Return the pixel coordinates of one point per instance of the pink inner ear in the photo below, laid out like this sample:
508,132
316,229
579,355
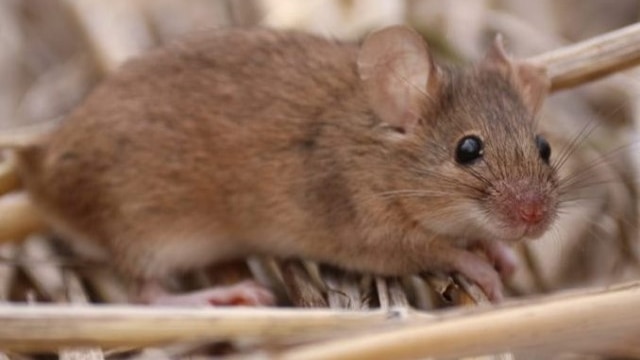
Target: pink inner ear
395,68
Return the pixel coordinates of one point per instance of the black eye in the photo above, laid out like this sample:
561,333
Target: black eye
469,149
543,148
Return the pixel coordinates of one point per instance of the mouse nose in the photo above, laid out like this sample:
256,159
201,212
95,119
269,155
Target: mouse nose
524,203
531,211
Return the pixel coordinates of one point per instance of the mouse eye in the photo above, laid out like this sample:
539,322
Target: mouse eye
543,148
469,149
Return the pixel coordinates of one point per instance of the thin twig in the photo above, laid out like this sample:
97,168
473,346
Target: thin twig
300,286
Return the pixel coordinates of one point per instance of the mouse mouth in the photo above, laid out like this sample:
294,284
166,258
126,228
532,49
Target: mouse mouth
514,232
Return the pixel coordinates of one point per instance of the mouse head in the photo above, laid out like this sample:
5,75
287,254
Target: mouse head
464,139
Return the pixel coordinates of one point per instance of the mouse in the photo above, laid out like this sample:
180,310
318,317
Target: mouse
369,156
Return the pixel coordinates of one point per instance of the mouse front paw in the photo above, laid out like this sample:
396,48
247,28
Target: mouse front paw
501,255
481,272
474,267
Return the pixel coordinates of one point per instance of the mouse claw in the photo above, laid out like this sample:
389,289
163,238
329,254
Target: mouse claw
489,281
478,270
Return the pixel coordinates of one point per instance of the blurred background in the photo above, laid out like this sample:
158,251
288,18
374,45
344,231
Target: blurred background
52,53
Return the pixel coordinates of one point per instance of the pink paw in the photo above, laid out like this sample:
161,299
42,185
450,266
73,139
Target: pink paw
488,280
502,255
246,293
479,270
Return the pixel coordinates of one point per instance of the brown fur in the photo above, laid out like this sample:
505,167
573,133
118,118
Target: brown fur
237,142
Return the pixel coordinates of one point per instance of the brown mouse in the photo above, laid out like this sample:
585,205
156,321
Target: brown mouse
370,157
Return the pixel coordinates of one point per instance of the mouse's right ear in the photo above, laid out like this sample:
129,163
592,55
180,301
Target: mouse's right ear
398,75
531,81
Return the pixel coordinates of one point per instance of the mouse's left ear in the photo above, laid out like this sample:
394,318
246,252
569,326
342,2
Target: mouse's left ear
398,75
531,81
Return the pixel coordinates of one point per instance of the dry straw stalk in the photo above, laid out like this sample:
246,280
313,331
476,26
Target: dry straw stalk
592,59
50,327
573,323
569,323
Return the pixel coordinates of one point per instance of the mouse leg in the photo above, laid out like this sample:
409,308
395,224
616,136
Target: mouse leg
247,293
473,266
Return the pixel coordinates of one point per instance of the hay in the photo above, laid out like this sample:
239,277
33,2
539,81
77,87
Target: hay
55,51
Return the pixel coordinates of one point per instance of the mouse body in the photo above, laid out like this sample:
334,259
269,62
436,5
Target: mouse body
371,157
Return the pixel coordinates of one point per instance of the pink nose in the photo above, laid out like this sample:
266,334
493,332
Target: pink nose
531,212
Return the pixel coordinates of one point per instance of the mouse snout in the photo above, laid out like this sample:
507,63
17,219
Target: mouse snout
530,211
523,206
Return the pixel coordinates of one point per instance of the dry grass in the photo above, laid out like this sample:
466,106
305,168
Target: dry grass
55,51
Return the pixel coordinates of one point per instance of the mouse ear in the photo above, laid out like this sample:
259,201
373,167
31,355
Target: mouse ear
398,75
497,55
531,81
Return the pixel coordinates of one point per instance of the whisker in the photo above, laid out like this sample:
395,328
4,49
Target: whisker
566,152
576,177
455,183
